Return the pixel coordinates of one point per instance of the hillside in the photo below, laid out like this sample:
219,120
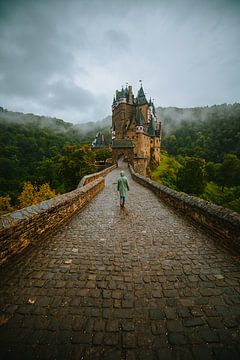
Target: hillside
32,145
81,132
207,132
209,139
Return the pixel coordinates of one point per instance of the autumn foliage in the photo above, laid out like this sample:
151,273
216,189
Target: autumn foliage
5,204
32,195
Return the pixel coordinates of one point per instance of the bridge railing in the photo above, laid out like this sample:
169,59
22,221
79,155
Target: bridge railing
89,178
217,220
26,226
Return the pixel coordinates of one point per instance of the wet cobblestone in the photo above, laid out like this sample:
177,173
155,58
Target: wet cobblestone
135,283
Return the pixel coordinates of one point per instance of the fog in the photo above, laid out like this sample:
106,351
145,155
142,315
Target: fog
65,59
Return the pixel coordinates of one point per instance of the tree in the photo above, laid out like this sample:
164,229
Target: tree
44,193
5,204
230,170
28,195
103,154
46,172
226,173
210,169
31,195
191,176
76,162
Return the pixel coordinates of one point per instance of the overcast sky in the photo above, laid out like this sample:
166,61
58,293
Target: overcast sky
66,58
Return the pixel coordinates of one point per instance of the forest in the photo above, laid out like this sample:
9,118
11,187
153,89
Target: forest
201,153
208,132
41,157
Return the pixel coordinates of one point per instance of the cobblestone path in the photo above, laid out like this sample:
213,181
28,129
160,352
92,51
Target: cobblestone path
134,283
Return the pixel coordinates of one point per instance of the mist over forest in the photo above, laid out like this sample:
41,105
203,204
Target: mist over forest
222,119
33,146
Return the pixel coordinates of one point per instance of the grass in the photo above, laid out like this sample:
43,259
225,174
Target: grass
166,172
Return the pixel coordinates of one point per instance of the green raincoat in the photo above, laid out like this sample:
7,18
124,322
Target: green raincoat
122,185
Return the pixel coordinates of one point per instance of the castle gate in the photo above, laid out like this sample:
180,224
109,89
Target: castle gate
122,147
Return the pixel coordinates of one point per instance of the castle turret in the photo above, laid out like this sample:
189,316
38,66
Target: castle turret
139,119
141,98
114,103
122,96
151,127
130,95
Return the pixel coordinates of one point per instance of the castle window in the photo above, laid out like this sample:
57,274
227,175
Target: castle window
139,129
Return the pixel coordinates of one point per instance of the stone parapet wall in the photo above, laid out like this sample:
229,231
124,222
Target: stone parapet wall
89,178
21,228
216,219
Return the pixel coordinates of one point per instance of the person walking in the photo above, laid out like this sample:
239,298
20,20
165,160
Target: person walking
122,187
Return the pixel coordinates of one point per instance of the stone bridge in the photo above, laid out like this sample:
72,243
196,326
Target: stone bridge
141,282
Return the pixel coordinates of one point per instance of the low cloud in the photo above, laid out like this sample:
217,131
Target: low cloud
66,59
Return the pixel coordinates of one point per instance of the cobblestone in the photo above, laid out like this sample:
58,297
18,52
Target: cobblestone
135,283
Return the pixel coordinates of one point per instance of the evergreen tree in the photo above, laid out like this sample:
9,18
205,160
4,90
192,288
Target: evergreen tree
191,176
230,170
76,162
103,154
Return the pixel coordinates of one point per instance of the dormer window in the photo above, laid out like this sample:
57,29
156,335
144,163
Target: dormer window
139,129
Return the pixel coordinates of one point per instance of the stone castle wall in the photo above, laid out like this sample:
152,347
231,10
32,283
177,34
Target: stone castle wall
216,219
142,145
121,115
140,165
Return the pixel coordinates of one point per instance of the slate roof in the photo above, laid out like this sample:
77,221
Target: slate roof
139,118
151,128
141,98
152,104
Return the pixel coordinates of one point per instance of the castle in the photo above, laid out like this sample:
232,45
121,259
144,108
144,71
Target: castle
136,132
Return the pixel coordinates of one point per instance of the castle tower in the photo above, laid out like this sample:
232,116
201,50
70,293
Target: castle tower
135,129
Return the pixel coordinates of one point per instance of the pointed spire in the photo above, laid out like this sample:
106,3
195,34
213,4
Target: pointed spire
126,91
114,102
152,105
141,98
139,118
151,127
